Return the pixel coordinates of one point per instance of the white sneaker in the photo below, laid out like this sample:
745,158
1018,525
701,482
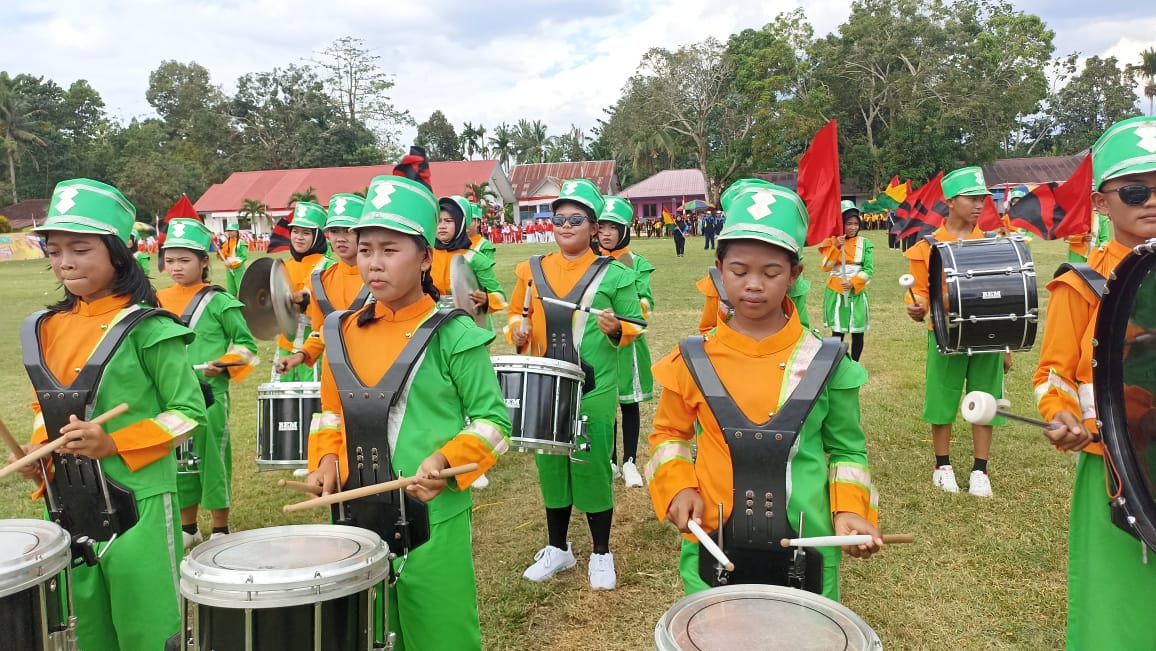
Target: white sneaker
217,534
630,475
979,484
481,482
615,473
601,572
549,561
192,539
944,477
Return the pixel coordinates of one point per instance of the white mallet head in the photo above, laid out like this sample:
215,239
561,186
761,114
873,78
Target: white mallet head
979,408
907,281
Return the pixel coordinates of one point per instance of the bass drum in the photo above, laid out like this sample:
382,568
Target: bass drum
1124,381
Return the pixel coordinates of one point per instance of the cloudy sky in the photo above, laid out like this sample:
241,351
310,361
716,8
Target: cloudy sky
482,61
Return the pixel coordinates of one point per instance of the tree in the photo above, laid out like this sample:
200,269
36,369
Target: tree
479,192
530,141
254,210
308,194
469,140
1147,69
355,80
438,138
502,144
16,129
195,114
1089,103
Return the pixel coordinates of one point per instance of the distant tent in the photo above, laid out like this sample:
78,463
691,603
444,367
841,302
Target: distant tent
20,246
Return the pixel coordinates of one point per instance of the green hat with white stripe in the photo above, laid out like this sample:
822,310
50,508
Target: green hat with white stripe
234,225
617,210
87,206
187,234
400,204
468,209
344,211
582,192
846,205
768,213
740,185
1127,147
966,181
307,214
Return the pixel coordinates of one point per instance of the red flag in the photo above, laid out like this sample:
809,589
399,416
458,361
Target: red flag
990,219
923,211
279,239
894,183
1056,210
182,209
819,184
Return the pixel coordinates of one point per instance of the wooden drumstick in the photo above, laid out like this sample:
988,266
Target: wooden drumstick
846,541
525,324
593,310
300,486
376,489
710,546
51,446
10,440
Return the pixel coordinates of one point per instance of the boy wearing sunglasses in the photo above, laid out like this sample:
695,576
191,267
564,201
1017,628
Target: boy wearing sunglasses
576,274
1107,568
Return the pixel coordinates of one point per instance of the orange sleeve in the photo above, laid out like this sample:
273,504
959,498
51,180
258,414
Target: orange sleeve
918,258
830,254
517,301
327,431
671,466
142,443
710,308
1056,378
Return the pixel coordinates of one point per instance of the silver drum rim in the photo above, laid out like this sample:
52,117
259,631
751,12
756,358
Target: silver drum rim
23,569
539,365
271,390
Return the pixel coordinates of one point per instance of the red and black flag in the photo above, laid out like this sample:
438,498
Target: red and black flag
1056,210
279,238
182,209
922,212
415,166
990,220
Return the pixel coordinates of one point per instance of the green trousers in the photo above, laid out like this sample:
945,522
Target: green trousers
211,486
586,486
233,279
434,604
1110,587
128,601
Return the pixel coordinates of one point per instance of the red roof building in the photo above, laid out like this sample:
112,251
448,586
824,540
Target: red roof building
273,188
667,189
537,185
29,212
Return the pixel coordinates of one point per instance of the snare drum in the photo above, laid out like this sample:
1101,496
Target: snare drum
34,601
284,412
983,296
761,618
544,398
292,588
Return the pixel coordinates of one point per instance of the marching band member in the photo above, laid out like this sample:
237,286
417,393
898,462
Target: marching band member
454,221
1108,569
433,604
128,599
635,382
849,261
579,276
335,285
222,337
307,249
1080,247
965,190
822,474
234,251
478,242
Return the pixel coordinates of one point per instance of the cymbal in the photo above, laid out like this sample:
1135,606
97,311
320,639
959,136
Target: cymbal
463,282
268,300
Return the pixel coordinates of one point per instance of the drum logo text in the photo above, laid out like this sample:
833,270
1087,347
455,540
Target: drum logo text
286,426
513,403
989,295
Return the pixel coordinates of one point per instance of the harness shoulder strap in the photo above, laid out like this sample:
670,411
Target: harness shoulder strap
319,294
575,294
1090,276
725,411
716,279
197,305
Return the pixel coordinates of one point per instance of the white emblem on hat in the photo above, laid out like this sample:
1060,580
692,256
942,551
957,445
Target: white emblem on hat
761,204
979,177
569,187
339,205
1147,133
381,194
178,229
66,199
302,209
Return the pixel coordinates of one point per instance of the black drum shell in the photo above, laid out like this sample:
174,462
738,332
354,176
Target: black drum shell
284,413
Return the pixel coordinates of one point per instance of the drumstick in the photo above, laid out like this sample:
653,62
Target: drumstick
10,440
300,486
526,313
593,310
907,281
376,489
201,367
846,541
710,546
51,446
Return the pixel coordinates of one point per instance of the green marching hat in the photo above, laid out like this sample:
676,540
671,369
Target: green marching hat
87,206
966,181
400,204
847,205
765,212
1127,147
233,226
467,209
187,234
740,185
307,214
582,192
617,210
344,211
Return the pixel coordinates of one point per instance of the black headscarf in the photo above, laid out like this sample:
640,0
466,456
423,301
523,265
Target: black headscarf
461,239
623,235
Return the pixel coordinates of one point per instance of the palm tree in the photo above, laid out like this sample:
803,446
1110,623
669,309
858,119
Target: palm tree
530,141
308,194
253,209
469,140
502,144
16,122
483,150
478,192
1148,69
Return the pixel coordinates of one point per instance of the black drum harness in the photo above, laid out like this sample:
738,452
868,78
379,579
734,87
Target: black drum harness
759,456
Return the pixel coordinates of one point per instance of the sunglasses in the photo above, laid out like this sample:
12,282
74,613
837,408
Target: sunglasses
1133,195
573,220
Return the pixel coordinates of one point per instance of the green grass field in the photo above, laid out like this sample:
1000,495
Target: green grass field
984,574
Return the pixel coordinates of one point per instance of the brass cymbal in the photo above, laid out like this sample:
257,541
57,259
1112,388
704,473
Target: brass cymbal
269,309
463,281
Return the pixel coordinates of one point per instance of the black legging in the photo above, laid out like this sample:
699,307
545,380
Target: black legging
631,424
856,343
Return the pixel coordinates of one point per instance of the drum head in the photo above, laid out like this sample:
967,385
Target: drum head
30,552
283,566
463,281
1124,381
761,618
